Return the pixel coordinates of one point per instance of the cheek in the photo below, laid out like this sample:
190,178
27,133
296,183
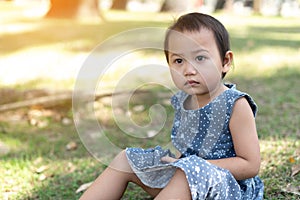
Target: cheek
210,75
177,77
210,70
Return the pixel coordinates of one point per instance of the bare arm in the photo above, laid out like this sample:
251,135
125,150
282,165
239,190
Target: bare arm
246,164
242,126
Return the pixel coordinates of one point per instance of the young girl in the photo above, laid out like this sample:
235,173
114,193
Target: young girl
214,127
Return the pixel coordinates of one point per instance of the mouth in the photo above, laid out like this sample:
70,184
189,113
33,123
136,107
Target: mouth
192,82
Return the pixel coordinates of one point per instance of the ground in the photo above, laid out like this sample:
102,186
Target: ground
41,153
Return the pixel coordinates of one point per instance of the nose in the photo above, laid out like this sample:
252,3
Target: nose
189,69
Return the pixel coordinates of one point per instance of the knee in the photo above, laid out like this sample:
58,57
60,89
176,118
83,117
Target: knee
120,163
177,188
180,178
120,157
180,173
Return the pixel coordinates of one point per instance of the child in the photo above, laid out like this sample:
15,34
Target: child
214,127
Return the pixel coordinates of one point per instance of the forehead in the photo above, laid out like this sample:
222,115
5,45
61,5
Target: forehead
191,41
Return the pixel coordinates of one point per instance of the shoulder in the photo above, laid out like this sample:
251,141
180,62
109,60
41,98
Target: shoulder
240,99
242,105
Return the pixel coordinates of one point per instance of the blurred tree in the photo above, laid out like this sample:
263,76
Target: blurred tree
256,6
174,6
74,9
119,4
228,4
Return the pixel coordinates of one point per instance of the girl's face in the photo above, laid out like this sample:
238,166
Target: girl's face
195,63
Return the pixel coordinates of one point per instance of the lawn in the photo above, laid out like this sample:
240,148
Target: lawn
41,153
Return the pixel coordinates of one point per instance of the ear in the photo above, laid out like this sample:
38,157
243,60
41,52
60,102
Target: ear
228,59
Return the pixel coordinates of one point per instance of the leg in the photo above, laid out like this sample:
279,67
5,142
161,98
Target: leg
177,188
112,183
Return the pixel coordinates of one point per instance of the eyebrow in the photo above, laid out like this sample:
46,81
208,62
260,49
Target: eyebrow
175,54
194,52
200,50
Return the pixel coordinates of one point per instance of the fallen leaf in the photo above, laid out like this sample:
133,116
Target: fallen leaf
83,187
292,189
66,121
4,149
41,169
42,177
42,124
71,168
139,108
292,160
71,146
32,122
151,133
295,170
38,160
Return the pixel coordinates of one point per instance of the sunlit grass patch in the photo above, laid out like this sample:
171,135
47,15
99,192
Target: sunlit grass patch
44,178
15,177
38,165
278,159
265,62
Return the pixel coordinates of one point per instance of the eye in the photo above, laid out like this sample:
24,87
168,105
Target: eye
200,58
178,60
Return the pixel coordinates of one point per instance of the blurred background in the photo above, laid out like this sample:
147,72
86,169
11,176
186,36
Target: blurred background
45,43
30,35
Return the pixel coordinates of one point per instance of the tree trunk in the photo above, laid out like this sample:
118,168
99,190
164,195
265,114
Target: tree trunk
119,5
74,9
228,5
174,6
256,6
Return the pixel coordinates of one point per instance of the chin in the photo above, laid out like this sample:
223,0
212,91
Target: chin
193,92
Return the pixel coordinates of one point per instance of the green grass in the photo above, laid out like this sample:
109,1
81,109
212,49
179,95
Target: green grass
38,166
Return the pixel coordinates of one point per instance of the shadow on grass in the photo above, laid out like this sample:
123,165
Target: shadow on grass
70,35
88,35
270,36
277,96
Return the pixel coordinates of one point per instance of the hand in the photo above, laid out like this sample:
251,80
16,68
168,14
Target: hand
168,159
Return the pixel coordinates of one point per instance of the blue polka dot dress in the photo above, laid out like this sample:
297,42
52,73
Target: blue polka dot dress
199,135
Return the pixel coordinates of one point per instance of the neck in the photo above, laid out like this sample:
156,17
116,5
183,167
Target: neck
204,99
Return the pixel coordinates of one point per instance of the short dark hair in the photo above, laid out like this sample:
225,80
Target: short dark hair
196,21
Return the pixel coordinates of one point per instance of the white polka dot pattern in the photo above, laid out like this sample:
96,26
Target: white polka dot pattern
199,135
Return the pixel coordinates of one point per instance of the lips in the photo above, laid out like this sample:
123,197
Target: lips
192,82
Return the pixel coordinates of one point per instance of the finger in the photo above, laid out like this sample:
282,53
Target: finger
168,159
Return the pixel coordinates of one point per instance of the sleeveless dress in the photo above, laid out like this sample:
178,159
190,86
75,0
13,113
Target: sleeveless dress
199,135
